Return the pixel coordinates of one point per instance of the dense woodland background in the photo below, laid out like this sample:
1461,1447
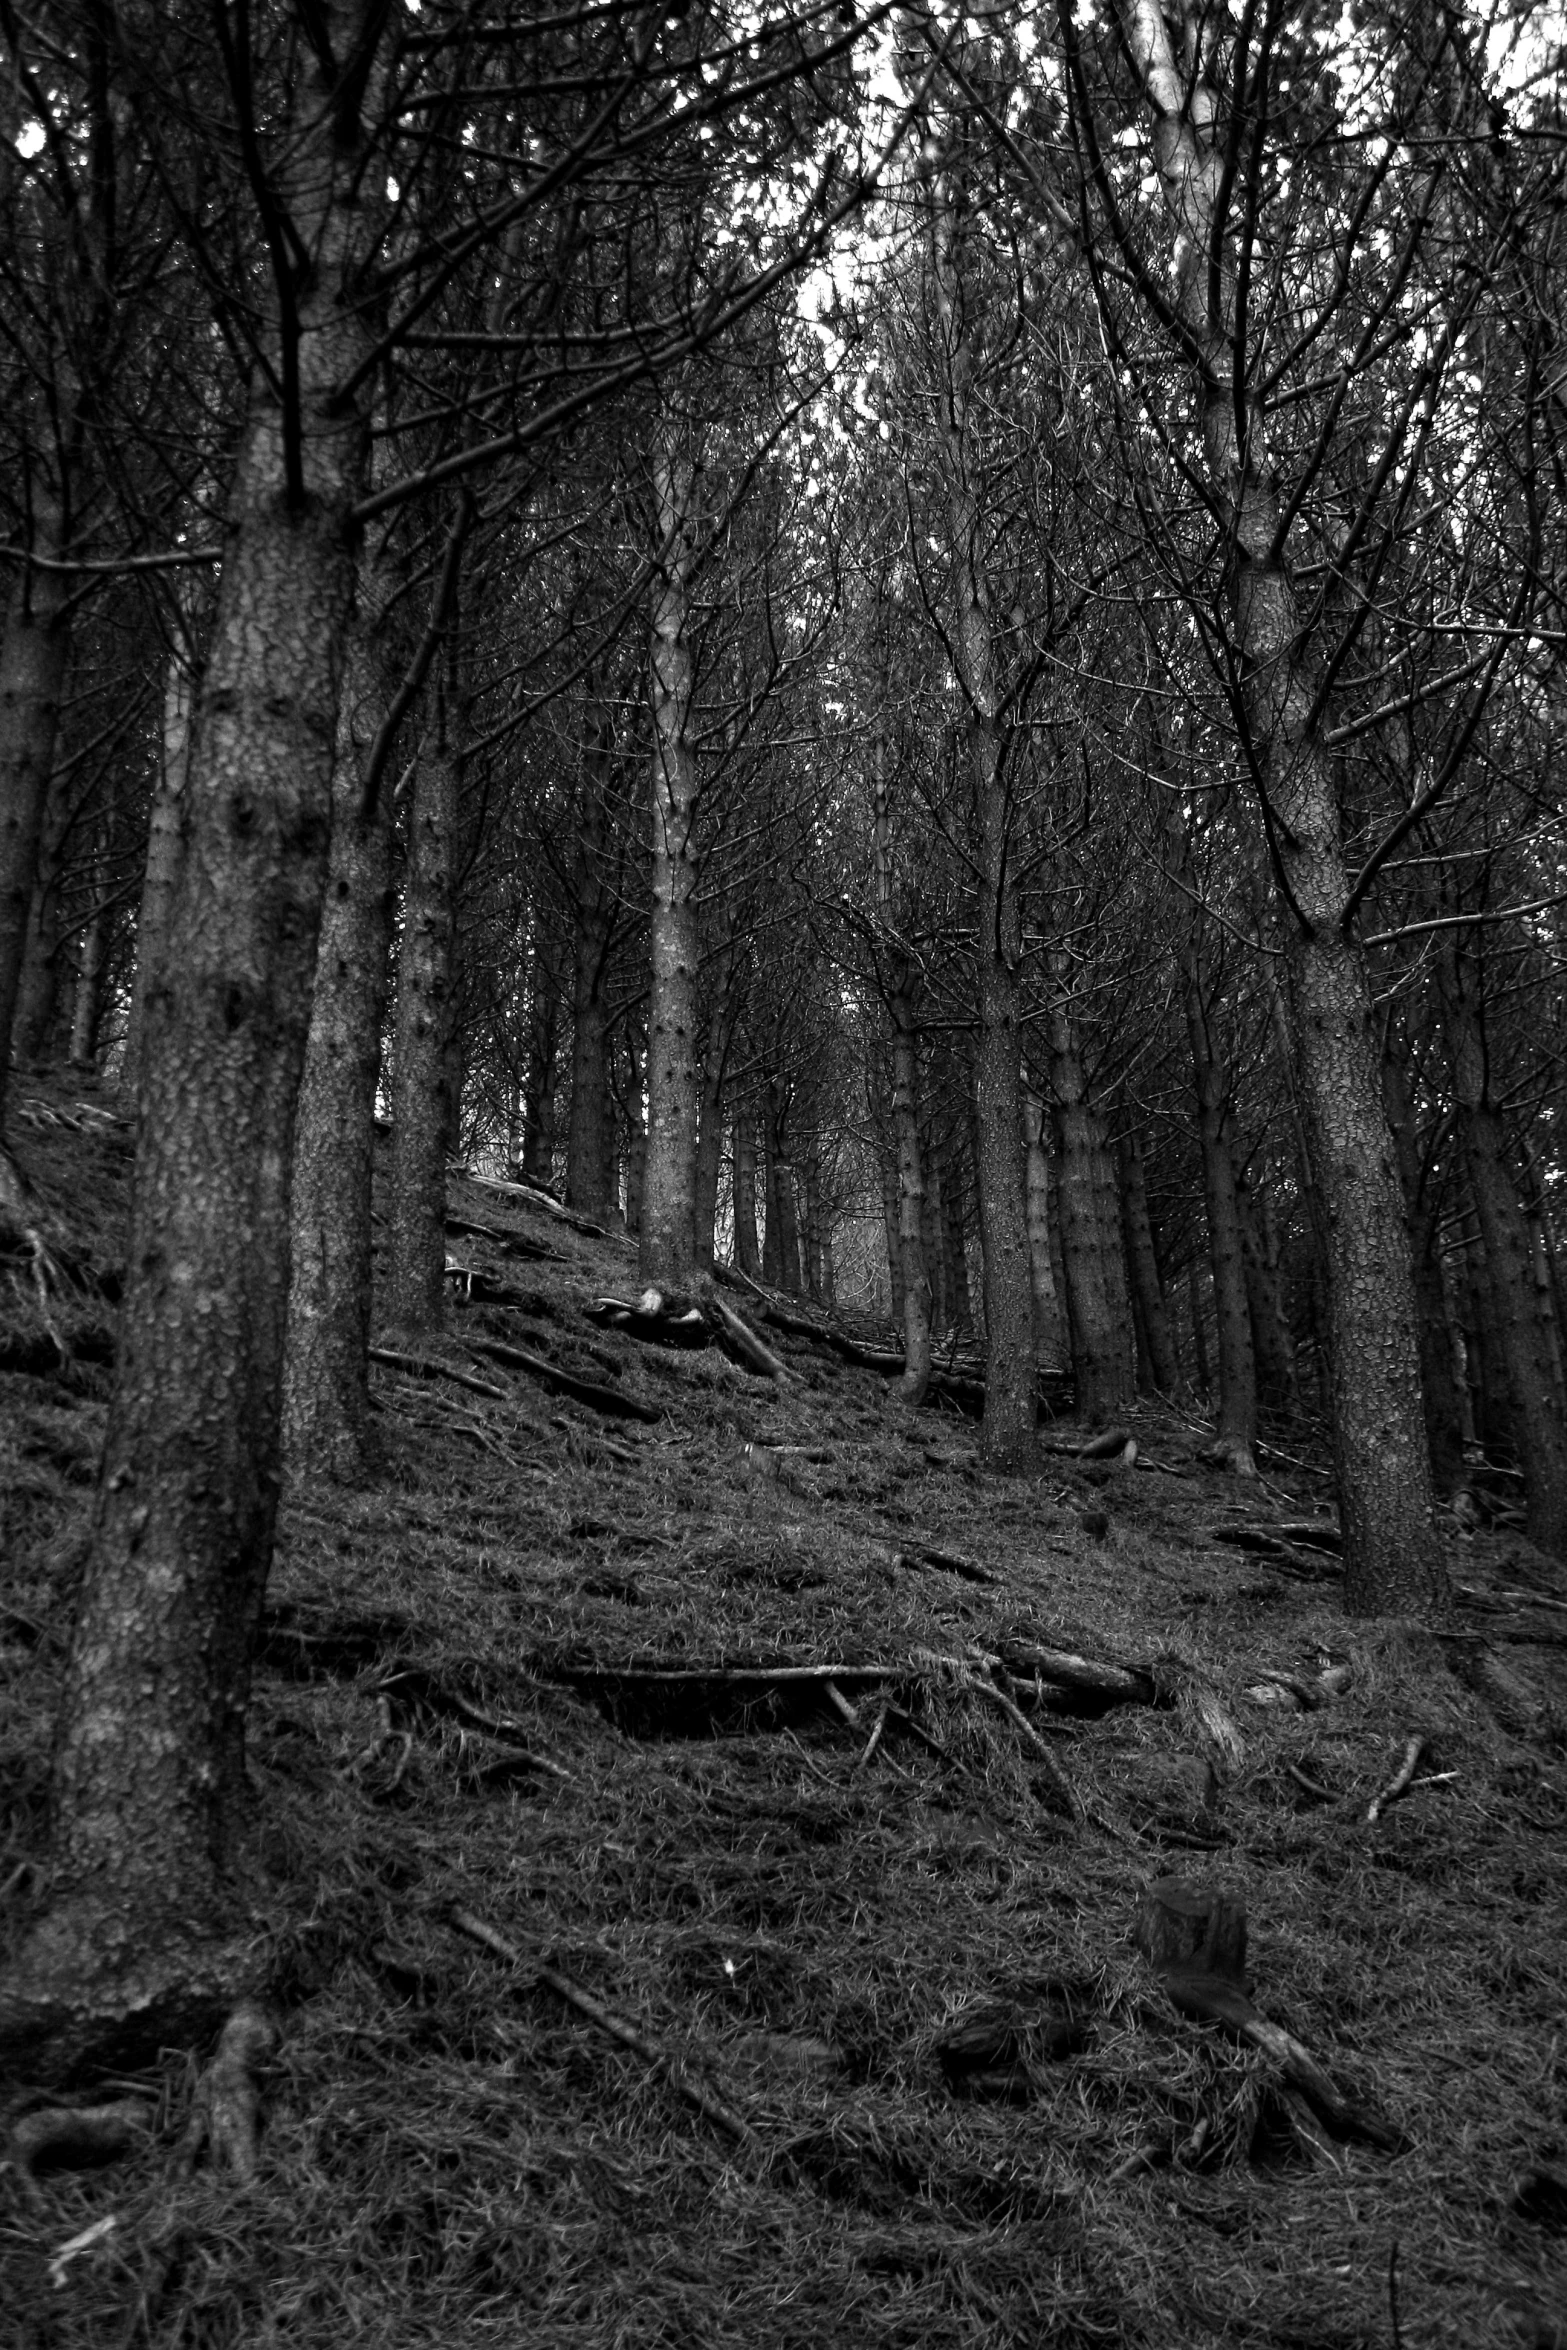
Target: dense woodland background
922,650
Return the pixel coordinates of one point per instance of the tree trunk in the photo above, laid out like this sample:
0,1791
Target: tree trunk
1270,1336
1143,1265
423,1111
667,1255
636,1129
1438,1385
954,1239
1099,1348
814,1238
1392,1561
1528,1368
33,655
772,1245
748,1254
326,1391
788,1217
1011,1410
917,1320
92,961
1052,1339
538,1146
709,1158
1237,1413
34,1034
1200,1361
588,1124
149,1777
931,1236
160,880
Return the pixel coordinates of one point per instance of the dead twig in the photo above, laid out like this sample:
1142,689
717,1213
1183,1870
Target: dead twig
1025,1729
607,2020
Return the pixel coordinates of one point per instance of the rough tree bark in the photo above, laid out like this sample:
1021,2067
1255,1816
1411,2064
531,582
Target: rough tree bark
1438,1384
424,1111
587,1124
33,654
1052,1339
900,984
1392,1560
538,1093
160,877
149,1782
326,1388
1143,1265
748,1251
1527,1363
1100,1353
1237,1413
1011,1410
667,1251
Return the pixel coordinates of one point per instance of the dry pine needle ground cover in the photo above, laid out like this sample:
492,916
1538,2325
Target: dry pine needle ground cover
639,1986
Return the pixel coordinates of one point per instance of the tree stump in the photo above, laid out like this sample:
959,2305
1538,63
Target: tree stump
1191,1926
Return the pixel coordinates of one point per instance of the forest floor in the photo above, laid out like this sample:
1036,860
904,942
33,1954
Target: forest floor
806,1778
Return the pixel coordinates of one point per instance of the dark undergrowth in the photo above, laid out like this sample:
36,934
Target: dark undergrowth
899,2076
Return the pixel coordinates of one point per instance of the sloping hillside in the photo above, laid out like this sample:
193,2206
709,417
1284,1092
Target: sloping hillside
702,1827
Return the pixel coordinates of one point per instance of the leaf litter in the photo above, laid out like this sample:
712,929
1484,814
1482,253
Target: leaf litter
803,2003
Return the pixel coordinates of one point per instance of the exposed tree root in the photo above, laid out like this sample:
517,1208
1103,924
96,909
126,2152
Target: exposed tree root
76,2137
225,2115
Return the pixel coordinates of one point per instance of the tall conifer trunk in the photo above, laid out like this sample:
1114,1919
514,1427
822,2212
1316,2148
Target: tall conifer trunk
1007,1432
149,1781
667,1252
326,1393
1392,1561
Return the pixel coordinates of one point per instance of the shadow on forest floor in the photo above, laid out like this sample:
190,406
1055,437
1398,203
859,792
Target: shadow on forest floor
828,1768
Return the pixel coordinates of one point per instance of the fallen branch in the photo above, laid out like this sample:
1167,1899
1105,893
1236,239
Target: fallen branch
427,1367
1032,1740
744,1340
1399,1782
535,1198
608,2021
950,1562
589,1391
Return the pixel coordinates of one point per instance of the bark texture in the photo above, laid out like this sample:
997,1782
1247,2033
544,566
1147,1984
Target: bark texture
160,876
423,1108
1052,1338
1237,1413
1100,1353
1438,1381
1143,1267
326,1393
667,1252
1011,1411
1527,1359
1392,1562
748,1252
149,1756
33,654
912,1304
587,1126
